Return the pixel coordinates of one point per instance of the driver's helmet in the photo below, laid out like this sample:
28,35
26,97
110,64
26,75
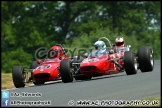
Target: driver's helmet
100,45
56,52
119,42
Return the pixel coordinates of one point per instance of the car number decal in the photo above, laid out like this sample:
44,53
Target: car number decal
44,67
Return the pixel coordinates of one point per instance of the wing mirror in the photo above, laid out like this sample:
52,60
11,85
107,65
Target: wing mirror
39,61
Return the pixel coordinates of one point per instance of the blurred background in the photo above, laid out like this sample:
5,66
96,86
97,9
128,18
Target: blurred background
29,25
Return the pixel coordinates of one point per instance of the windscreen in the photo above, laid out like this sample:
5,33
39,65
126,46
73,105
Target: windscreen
97,53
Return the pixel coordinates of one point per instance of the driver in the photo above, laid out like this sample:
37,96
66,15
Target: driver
120,44
56,52
100,45
100,48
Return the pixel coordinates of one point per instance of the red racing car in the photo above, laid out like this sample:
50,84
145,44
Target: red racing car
110,62
39,72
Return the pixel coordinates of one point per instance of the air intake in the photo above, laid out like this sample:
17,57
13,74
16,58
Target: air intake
88,68
41,75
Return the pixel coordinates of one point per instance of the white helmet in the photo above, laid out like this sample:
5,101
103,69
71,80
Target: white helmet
100,45
119,41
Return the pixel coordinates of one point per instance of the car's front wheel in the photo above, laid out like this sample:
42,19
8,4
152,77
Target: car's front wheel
66,74
18,76
130,63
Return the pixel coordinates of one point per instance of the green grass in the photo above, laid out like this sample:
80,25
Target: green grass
7,82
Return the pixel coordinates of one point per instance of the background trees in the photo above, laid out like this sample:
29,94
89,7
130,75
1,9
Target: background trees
27,26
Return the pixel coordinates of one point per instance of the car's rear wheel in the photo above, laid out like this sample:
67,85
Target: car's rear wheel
34,65
78,59
130,63
145,58
18,76
66,74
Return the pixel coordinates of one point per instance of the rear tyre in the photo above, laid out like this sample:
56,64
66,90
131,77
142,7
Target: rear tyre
34,65
130,63
78,59
18,76
66,74
145,58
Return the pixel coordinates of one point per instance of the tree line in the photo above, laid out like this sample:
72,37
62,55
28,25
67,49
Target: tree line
29,25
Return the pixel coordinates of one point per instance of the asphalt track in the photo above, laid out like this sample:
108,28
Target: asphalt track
110,87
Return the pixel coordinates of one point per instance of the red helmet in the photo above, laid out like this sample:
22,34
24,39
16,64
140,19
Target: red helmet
119,41
56,52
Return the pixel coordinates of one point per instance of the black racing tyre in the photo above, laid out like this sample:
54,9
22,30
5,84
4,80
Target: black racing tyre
34,64
130,63
18,76
66,74
145,58
78,59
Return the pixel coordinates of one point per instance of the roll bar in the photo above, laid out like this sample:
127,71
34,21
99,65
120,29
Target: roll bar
107,40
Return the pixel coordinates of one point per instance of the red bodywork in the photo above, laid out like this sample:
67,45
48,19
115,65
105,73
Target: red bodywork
97,66
48,70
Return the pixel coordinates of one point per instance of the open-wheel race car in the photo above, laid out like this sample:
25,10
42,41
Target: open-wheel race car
40,71
110,62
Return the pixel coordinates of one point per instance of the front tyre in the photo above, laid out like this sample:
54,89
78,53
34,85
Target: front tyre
130,63
66,74
18,76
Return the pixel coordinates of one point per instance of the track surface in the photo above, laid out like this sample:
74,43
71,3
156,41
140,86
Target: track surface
110,87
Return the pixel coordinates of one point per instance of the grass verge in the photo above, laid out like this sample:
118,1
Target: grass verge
7,82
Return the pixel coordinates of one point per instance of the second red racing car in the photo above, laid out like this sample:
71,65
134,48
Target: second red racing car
40,71
111,62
